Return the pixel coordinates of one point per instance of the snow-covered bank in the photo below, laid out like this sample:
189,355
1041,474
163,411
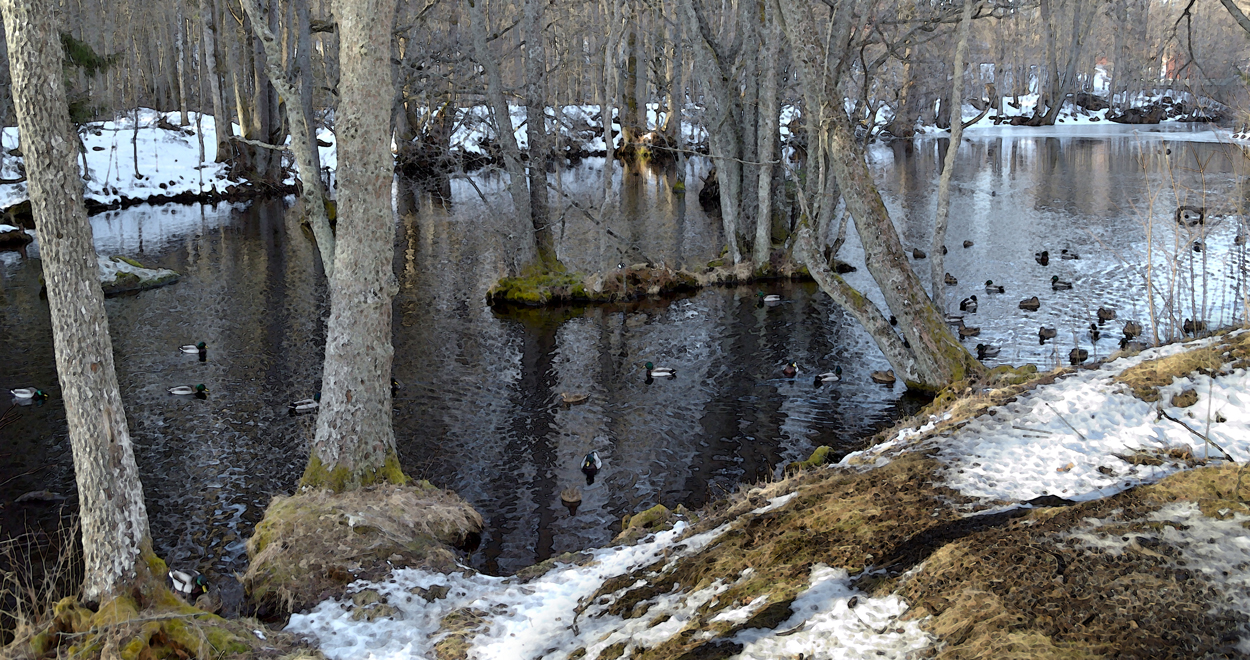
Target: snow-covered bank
817,573
121,275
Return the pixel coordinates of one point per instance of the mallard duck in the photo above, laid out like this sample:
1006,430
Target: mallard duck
570,399
968,244
1193,327
1066,254
917,253
944,250
968,331
968,304
893,320
883,377
1045,333
791,370
571,497
590,466
305,406
767,299
1132,329
1127,344
987,351
1043,257
396,386
990,287
193,348
950,280
1058,284
659,372
1094,333
954,318
1105,314
1030,304
187,583
1197,246
1078,355
182,390
829,377
29,393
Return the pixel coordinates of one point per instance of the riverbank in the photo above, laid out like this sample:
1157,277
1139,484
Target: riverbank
1057,517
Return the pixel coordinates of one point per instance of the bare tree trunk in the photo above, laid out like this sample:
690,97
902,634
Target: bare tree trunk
115,535
210,72
355,443
536,129
767,136
937,274
180,47
499,109
303,141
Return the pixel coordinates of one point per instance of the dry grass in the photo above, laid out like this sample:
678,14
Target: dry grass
1146,378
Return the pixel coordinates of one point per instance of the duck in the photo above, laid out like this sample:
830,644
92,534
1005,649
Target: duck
954,318
1043,257
1239,239
768,299
968,244
182,390
893,320
1065,254
1132,329
1127,344
659,372
968,304
1058,284
590,466
791,370
1078,355
305,406
883,377
950,280
30,393
1105,314
990,287
987,351
917,253
396,386
944,250
968,331
1193,327
572,399
1045,333
1197,246
829,377
193,348
1031,304
188,583
571,497
1094,333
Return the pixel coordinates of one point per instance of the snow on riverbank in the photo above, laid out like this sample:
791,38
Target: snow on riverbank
1051,441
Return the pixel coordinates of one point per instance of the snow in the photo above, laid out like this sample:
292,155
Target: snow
111,267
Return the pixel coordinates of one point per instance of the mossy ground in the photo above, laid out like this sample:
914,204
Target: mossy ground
1146,378
311,545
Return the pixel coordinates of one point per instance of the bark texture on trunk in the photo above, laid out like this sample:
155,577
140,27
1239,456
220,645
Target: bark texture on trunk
221,117
937,273
114,519
767,137
536,131
303,142
355,443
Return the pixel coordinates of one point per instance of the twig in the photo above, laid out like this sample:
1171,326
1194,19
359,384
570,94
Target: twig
1052,408
1191,430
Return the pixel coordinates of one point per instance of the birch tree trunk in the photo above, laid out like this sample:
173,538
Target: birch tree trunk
303,142
503,119
180,47
536,130
115,534
355,443
937,274
221,116
767,137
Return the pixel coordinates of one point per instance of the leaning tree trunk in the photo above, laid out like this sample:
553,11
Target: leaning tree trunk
937,273
303,141
114,521
355,444
937,359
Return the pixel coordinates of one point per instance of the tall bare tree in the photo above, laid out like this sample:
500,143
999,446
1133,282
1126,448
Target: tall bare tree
115,534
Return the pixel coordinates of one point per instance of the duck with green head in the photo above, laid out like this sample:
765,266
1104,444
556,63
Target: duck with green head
990,287
654,372
29,394
193,348
829,376
1058,284
305,406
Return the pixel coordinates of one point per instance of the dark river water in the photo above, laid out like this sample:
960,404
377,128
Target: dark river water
480,411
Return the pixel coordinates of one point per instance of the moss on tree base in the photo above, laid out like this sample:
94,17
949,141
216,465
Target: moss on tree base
313,544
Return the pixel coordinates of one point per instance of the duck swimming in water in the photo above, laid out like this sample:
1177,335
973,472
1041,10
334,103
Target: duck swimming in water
193,348
659,372
1030,304
1105,314
791,370
183,390
829,377
950,280
1065,254
1078,355
29,393
990,287
1042,258
1058,284
968,304
590,466
1094,333
1046,333
305,406
883,377
987,351
187,583
769,299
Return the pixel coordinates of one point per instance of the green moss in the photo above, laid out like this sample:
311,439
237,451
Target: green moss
679,187
128,260
818,458
341,478
649,519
